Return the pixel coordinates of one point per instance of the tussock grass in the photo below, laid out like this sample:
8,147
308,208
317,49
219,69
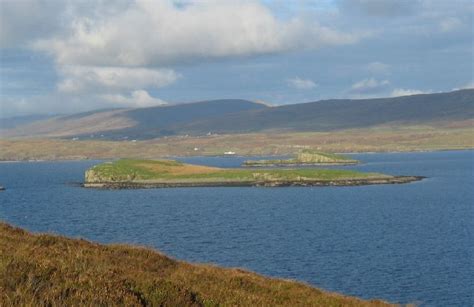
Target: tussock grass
47,270
378,139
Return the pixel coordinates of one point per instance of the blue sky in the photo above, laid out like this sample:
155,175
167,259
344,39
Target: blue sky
70,56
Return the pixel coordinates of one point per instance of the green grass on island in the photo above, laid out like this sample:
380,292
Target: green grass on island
47,270
306,157
129,170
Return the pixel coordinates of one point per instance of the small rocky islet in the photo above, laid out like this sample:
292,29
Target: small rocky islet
135,174
306,157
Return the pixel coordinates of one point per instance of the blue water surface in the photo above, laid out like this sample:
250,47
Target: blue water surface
410,243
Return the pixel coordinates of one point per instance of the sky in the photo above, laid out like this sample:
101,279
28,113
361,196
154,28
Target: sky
66,56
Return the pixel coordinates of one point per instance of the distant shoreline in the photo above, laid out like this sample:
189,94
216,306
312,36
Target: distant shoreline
233,156
408,139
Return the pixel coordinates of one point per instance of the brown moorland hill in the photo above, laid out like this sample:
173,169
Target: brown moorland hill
236,116
48,270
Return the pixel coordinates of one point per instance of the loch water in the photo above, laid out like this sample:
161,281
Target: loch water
409,243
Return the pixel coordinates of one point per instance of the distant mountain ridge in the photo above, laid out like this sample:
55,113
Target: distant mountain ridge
336,114
16,121
243,116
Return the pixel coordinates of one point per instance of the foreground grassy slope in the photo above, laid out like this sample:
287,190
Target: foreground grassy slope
168,170
51,270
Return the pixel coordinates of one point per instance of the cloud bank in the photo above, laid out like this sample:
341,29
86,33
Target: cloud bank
95,54
369,87
159,33
118,51
97,79
302,84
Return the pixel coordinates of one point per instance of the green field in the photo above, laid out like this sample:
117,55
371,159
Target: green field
128,170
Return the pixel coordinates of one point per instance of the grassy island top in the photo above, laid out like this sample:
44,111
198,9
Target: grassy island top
306,156
128,170
46,270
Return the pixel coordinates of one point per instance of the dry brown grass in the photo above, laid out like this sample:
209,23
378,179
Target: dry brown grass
184,169
379,139
46,270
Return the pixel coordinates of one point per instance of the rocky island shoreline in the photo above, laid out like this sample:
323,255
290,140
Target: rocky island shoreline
307,183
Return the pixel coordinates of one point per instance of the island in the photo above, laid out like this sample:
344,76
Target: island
49,270
307,157
131,173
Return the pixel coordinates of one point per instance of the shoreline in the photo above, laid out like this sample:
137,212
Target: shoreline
234,156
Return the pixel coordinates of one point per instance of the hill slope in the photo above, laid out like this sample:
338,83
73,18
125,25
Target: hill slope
12,122
241,116
140,123
168,120
330,115
46,270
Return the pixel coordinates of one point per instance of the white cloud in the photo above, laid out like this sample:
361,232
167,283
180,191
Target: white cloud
63,103
122,86
378,68
469,85
54,103
114,52
139,98
450,24
406,92
373,88
369,86
93,43
302,84
102,79
160,33
22,21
